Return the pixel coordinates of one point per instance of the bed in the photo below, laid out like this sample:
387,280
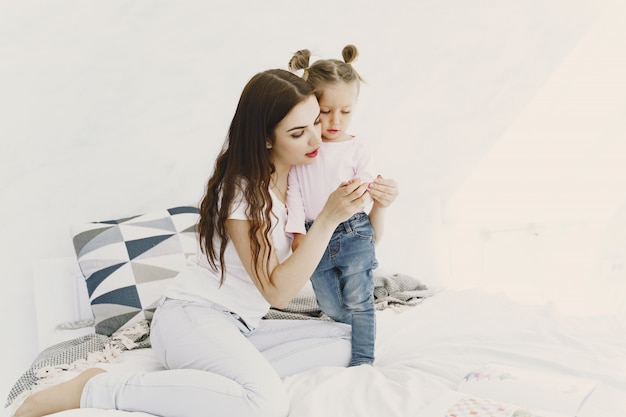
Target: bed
428,340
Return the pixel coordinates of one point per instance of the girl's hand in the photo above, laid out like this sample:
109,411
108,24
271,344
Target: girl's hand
383,191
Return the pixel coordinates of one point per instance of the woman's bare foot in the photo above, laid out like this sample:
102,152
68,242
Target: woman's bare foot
64,396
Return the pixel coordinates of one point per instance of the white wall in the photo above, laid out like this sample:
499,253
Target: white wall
545,205
113,108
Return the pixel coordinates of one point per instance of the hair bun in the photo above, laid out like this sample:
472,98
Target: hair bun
349,53
300,60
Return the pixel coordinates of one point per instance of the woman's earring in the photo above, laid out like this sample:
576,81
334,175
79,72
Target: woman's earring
268,145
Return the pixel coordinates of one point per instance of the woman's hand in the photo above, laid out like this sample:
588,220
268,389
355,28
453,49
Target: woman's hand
345,201
280,282
383,191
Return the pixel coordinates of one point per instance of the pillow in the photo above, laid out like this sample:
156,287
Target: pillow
127,263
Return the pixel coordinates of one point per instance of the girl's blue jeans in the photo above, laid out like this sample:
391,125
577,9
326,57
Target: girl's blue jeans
344,283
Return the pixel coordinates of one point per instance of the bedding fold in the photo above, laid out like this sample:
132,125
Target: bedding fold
391,290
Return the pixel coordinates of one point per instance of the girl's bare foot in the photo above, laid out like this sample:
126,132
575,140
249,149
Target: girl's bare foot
64,396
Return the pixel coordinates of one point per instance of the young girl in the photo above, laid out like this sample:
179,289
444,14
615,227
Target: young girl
343,281
219,357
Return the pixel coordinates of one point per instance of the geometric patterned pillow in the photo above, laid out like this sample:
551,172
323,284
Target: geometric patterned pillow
127,263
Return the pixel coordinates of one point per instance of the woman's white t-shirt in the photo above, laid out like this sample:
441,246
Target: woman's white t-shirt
238,294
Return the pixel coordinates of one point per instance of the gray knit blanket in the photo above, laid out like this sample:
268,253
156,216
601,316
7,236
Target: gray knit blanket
396,291
390,290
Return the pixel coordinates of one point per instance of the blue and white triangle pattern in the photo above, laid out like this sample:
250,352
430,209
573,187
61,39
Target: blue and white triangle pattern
127,263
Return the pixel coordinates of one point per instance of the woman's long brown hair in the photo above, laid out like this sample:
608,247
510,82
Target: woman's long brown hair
243,166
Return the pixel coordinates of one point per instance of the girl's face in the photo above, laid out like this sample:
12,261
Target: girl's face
336,105
297,137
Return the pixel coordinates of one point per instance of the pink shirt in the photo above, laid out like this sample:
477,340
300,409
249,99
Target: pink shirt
310,185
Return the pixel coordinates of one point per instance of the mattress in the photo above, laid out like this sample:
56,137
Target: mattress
424,351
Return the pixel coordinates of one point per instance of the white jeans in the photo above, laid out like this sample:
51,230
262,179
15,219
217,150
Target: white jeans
217,367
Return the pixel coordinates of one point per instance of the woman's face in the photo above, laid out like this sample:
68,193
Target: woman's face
298,135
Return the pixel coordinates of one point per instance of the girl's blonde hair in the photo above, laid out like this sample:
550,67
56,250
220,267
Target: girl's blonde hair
327,71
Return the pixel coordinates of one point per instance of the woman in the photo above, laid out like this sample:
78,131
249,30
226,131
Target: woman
221,359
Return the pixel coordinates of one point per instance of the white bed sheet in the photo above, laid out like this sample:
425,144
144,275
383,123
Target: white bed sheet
426,350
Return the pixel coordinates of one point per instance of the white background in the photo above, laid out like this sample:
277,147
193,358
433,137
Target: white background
502,121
